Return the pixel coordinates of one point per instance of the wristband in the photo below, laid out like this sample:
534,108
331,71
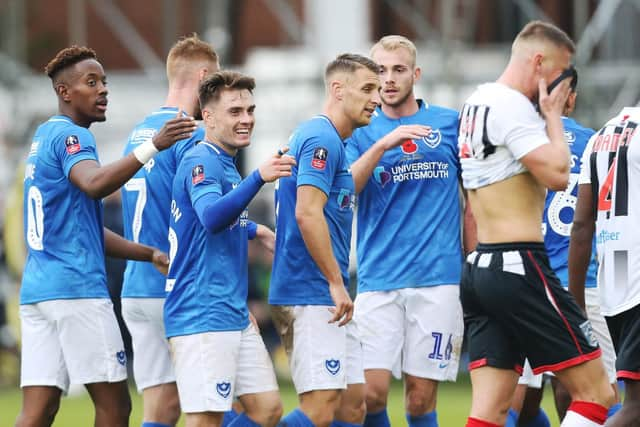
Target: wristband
145,152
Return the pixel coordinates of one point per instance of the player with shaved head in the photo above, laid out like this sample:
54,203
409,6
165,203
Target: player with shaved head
69,330
514,304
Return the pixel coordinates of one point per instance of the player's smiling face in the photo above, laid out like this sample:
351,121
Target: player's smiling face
230,119
398,74
86,92
361,96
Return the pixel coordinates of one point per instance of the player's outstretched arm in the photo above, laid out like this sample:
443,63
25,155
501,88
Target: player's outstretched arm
315,233
582,232
550,163
216,212
118,247
362,168
100,181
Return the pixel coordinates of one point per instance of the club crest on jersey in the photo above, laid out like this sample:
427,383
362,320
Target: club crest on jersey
433,139
332,365
197,174
72,144
381,176
121,356
319,160
224,389
569,136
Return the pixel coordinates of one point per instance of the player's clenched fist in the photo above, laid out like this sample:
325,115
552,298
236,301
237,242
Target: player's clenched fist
180,127
160,261
277,166
344,306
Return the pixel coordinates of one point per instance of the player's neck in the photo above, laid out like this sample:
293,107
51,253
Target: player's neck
232,151
408,107
182,98
340,121
75,117
517,80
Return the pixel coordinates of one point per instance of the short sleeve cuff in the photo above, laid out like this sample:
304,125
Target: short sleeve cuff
314,182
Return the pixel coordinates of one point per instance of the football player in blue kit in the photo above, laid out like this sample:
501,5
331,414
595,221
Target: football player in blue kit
146,202
406,172
314,211
217,352
69,330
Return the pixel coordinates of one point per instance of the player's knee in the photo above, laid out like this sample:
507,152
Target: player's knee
376,398
420,397
43,416
268,412
170,409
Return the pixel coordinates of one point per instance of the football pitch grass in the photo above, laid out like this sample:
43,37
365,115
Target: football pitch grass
454,401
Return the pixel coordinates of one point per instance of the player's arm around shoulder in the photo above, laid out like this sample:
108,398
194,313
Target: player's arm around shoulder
99,181
550,163
362,168
118,247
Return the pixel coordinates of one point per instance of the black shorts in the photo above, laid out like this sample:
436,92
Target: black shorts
625,334
515,307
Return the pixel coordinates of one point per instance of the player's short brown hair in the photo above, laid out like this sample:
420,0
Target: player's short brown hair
544,31
349,63
212,86
66,58
189,48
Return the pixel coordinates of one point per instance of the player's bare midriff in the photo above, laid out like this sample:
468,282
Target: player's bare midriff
509,210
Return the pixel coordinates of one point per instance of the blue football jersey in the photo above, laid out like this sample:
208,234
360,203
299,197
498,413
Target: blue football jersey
63,226
560,206
208,277
409,210
146,203
321,162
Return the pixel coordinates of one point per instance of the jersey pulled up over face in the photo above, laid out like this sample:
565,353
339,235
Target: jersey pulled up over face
63,226
498,126
559,207
207,281
146,203
409,210
611,164
322,163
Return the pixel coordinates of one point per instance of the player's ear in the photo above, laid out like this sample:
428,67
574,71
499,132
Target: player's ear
62,91
337,89
417,73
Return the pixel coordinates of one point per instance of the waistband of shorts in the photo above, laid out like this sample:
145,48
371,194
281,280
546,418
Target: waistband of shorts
510,246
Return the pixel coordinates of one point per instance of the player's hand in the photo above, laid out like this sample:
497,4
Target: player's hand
254,322
553,103
180,127
343,311
400,134
160,261
277,166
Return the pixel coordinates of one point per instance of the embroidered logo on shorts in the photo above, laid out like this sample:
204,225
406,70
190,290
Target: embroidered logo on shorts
224,389
319,160
332,365
587,331
121,356
197,174
72,144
